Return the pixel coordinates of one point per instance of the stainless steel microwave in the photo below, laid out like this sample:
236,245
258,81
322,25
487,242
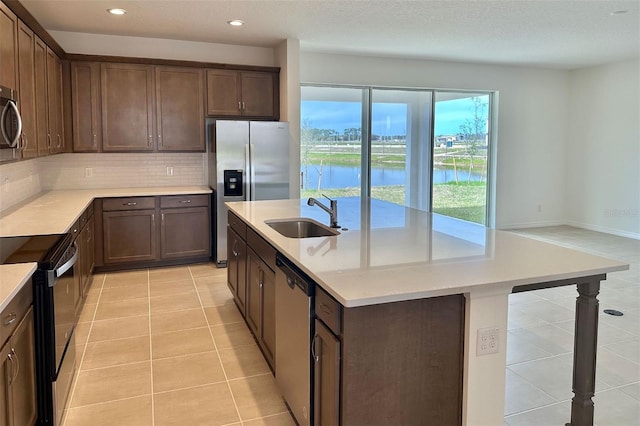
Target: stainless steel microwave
10,121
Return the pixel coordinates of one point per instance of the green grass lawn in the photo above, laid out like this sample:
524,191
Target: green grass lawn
465,200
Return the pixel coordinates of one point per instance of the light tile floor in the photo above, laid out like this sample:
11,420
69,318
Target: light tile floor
168,347
165,347
540,340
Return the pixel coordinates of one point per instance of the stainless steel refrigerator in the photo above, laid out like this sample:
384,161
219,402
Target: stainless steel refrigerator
249,160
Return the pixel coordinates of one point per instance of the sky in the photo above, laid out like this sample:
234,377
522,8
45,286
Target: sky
387,119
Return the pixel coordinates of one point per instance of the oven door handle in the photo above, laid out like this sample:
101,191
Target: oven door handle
68,265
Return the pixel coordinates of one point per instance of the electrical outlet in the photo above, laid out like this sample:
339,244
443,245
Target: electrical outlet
488,341
169,171
88,172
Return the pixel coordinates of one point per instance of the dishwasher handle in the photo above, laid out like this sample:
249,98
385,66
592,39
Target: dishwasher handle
294,276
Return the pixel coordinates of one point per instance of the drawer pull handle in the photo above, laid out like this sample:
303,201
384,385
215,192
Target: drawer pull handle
130,203
185,201
324,308
10,319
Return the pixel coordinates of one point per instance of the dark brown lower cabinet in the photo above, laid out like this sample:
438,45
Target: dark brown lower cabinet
152,231
17,376
399,363
237,268
326,355
129,236
184,232
261,298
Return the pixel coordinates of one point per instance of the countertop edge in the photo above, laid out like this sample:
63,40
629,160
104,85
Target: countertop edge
15,277
504,287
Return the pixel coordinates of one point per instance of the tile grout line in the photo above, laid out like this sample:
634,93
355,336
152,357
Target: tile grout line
224,371
84,351
153,414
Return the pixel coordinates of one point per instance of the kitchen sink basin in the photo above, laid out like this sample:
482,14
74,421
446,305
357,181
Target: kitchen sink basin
301,227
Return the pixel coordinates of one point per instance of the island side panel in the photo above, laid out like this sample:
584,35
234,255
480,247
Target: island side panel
402,362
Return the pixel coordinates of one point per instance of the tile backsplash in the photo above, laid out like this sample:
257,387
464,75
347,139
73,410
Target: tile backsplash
18,181
24,179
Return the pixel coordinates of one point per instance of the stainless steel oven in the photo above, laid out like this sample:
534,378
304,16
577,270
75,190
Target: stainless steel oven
55,285
10,123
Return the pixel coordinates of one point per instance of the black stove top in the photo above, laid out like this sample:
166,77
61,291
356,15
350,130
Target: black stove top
47,250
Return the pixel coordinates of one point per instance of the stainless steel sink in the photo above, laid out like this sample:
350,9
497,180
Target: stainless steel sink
301,227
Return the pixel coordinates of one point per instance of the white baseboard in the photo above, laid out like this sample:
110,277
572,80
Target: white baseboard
606,230
539,224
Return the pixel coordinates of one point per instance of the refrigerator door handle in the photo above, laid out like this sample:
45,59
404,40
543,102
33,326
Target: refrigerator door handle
252,168
247,170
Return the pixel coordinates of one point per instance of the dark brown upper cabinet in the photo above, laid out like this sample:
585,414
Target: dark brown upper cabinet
26,91
180,109
8,48
85,104
246,94
127,107
40,81
55,115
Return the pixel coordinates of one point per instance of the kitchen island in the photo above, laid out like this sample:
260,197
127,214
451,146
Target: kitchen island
391,254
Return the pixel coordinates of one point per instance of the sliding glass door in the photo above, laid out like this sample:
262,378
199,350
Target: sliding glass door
424,149
460,157
331,141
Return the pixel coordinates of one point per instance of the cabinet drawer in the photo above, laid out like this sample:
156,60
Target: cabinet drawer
128,203
262,248
328,310
237,225
15,310
171,201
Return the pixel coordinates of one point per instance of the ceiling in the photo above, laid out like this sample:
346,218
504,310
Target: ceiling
563,34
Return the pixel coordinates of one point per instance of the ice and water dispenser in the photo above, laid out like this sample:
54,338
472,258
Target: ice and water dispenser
233,183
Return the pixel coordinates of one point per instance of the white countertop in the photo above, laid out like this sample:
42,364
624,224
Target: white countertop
54,212
392,253
12,278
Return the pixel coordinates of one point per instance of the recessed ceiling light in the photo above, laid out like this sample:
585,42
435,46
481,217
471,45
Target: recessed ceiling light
236,23
117,11
618,12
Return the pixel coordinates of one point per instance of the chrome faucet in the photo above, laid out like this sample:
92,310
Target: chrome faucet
333,210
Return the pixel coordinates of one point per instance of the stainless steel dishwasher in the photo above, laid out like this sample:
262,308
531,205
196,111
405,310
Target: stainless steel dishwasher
294,330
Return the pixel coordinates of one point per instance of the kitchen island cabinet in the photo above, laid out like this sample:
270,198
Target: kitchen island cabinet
237,262
392,256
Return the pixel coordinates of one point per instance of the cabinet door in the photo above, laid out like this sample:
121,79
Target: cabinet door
326,392
91,250
23,386
237,268
223,93
54,103
180,109
129,236
85,101
254,293
268,337
43,140
185,233
26,91
8,48
257,94
6,376
127,107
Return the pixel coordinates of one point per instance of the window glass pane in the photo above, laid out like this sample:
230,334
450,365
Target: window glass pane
461,136
400,146
330,141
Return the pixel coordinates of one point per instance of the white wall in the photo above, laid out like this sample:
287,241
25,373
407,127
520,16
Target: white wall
287,56
140,47
532,122
603,150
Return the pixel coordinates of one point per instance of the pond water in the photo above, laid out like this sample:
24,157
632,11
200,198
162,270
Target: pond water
345,176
